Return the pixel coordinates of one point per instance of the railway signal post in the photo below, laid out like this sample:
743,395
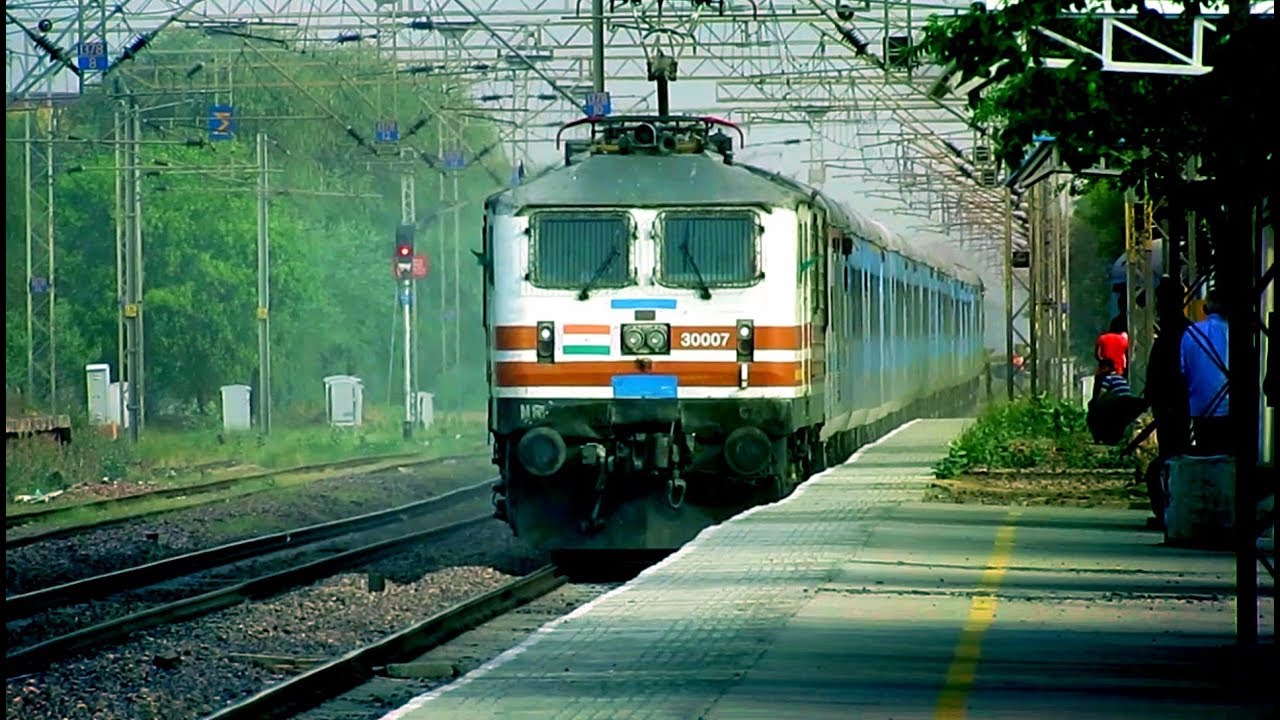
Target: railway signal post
404,267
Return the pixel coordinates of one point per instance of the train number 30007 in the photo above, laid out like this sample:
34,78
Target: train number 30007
705,339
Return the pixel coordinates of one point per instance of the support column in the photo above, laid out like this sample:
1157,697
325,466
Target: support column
42,380
120,136
409,304
132,309
1139,286
264,293
1008,291
597,45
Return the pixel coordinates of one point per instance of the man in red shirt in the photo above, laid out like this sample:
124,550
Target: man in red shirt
1113,345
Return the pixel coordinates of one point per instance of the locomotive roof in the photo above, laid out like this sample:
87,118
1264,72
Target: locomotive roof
650,181
696,180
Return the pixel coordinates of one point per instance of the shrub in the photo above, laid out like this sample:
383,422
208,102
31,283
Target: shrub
1035,433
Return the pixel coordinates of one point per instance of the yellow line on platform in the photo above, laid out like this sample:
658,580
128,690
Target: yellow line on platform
982,612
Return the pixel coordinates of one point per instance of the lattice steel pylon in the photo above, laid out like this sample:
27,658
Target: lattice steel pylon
1053,369
38,165
765,64
1140,233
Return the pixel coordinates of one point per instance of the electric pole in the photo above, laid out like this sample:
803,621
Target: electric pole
132,309
597,45
441,377
457,276
264,293
120,135
1009,311
42,381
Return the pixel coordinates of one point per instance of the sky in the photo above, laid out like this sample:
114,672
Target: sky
857,139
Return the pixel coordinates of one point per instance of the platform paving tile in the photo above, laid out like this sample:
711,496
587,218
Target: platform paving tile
670,642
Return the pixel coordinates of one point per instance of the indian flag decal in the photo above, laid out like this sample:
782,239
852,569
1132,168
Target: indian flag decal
587,340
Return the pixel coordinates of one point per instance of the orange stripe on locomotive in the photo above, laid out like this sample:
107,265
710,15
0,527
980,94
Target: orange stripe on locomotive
794,337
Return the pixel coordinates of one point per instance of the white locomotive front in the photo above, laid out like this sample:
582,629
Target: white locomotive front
657,320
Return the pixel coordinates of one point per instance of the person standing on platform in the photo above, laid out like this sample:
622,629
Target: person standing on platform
1204,364
1165,389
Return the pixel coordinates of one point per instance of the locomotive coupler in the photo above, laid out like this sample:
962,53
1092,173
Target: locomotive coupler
593,454
676,488
499,499
499,505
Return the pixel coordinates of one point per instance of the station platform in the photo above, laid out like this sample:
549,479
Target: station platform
853,599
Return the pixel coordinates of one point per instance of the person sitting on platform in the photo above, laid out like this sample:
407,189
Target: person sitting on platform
1113,345
1113,407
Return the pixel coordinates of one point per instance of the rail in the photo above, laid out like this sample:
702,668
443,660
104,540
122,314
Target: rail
349,671
48,514
26,604
34,657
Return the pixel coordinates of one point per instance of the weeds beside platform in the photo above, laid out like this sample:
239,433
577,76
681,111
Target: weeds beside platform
1036,452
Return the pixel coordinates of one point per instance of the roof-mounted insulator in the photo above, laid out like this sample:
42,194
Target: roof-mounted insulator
135,47
359,139
53,51
417,126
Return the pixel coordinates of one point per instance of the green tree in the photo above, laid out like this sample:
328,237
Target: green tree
333,214
1097,239
1149,126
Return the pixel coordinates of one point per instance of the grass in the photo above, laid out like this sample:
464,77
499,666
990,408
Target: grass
162,457
1035,434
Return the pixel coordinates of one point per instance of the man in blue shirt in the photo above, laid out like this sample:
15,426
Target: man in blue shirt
1204,367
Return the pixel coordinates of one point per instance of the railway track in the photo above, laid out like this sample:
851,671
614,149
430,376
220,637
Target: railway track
35,656
335,677
214,490
99,586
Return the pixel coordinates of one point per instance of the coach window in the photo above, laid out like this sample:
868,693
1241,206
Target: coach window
873,306
715,248
574,249
858,302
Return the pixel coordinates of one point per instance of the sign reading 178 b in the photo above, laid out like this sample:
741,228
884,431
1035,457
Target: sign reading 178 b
92,55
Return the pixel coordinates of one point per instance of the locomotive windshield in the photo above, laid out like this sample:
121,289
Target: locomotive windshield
702,249
577,250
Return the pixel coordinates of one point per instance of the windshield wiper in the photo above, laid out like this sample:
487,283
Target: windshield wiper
585,292
704,292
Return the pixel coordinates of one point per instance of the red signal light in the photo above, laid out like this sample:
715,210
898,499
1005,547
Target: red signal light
404,251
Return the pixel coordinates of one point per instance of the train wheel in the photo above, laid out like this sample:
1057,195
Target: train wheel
819,460
786,466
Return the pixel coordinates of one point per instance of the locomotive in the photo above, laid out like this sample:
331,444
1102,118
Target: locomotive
674,337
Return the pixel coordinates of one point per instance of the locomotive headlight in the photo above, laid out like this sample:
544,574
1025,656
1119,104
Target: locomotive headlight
657,340
546,341
746,341
633,339
646,339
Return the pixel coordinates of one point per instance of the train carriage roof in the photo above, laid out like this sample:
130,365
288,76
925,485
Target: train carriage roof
870,230
696,180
